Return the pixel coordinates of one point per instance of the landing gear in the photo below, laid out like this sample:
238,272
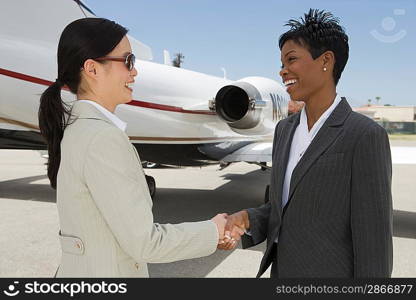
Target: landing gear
267,194
263,166
223,165
151,183
149,165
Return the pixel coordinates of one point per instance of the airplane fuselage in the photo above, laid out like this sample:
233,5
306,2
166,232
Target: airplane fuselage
171,119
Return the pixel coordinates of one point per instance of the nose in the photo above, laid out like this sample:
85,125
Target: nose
134,72
283,72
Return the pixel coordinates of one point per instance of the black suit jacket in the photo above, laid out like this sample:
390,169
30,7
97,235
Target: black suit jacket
338,219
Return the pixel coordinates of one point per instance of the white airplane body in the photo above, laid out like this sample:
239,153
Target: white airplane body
177,117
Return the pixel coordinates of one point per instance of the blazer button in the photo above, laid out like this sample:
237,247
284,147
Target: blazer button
78,245
136,265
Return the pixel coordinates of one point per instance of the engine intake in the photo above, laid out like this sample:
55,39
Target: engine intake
240,105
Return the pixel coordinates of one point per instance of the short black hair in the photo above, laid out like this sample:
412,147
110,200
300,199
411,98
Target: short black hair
319,31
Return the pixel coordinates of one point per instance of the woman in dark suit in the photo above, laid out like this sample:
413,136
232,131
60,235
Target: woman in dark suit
330,208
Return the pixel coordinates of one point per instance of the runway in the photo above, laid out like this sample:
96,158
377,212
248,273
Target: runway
29,227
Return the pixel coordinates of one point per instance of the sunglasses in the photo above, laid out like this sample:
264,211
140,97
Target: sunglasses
128,60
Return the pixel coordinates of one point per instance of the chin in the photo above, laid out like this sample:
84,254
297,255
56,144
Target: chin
294,97
127,99
297,96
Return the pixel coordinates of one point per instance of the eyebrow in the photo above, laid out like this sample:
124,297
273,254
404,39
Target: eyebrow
293,50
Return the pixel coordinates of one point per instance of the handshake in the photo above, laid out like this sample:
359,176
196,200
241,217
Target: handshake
231,228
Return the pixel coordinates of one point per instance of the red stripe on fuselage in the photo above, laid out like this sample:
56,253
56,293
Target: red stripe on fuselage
150,105
169,108
28,78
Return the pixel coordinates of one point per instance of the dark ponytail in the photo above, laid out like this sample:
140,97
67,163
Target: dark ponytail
80,40
53,116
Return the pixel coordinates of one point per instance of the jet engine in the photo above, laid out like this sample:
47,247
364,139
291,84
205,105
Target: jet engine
247,103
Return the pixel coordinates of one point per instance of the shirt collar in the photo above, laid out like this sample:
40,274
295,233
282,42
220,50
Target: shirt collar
318,124
112,117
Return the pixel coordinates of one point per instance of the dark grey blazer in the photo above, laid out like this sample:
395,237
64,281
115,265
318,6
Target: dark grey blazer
338,220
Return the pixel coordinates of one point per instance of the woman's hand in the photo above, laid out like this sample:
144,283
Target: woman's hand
220,220
237,223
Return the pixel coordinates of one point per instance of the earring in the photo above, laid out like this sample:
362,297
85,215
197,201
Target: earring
324,69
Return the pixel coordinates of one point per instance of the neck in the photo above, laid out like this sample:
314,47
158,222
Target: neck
108,106
317,104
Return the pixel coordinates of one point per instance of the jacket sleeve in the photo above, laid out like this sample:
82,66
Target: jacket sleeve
259,220
371,205
117,184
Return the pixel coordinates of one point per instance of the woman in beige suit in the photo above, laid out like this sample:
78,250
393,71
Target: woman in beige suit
104,206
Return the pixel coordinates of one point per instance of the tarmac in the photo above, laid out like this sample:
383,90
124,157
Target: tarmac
30,224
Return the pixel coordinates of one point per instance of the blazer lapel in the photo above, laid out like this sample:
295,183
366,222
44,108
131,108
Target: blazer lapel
326,135
282,156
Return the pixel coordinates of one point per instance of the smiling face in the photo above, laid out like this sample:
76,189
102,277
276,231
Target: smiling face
302,75
117,81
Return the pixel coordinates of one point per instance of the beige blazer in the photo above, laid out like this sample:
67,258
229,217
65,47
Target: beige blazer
105,210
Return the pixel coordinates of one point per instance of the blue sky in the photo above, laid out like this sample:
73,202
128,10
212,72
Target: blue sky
242,36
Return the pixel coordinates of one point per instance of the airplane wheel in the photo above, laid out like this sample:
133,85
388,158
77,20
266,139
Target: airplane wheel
266,194
151,183
264,166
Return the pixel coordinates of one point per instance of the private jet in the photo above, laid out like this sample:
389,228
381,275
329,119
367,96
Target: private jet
178,117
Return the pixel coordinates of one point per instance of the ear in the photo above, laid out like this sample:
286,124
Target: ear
90,68
328,59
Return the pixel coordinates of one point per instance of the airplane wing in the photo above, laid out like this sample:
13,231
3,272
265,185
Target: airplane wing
262,152
255,152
